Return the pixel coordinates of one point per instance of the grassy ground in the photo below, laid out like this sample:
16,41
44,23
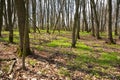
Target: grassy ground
92,59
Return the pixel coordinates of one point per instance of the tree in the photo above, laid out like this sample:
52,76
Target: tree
1,16
34,14
84,15
110,38
117,15
74,30
96,19
9,3
48,16
92,21
6,16
78,27
23,30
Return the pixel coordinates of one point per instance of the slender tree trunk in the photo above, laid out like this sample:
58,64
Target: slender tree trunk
34,15
55,25
10,21
48,16
74,30
96,19
84,16
92,21
78,27
1,16
117,15
6,17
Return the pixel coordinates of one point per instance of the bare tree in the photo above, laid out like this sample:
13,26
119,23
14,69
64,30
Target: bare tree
23,30
110,38
76,19
1,15
96,19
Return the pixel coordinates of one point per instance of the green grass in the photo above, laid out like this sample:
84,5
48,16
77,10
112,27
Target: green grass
59,43
84,33
106,59
82,46
6,37
109,58
40,48
104,34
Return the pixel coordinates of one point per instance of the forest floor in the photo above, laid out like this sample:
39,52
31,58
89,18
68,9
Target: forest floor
54,59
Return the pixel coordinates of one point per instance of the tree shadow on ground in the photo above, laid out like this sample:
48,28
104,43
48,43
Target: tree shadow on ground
73,67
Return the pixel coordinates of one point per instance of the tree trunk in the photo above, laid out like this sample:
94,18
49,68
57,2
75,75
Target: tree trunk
117,15
23,30
9,3
96,19
34,15
84,16
1,16
78,27
74,30
110,38
92,21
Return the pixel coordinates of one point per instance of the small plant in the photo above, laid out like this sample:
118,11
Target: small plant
32,62
64,72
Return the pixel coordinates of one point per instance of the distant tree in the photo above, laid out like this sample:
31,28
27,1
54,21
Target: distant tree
34,15
58,18
6,16
41,14
48,17
84,15
96,19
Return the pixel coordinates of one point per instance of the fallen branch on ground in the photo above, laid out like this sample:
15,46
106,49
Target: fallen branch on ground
8,59
11,67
